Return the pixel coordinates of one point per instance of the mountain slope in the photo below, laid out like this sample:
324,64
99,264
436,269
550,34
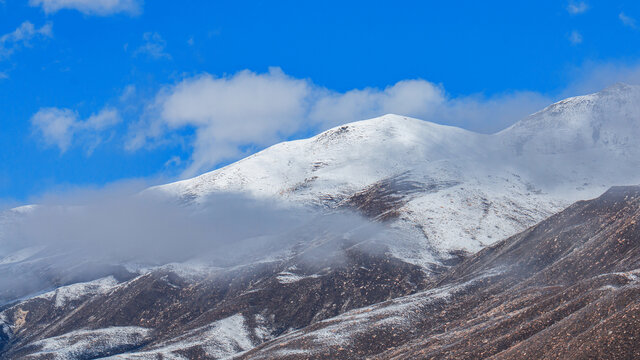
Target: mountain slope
194,311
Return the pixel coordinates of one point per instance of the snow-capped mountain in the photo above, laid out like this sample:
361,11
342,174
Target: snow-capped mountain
448,189
444,191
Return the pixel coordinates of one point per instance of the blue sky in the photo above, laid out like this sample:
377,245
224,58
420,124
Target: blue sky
98,91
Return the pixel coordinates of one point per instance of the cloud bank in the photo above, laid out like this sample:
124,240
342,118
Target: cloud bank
84,235
112,227
90,7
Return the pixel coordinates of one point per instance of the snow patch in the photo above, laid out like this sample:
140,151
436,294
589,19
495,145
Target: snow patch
90,343
287,277
64,294
20,255
220,339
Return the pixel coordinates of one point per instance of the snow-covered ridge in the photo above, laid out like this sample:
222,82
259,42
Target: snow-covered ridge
82,344
498,184
222,339
352,156
65,294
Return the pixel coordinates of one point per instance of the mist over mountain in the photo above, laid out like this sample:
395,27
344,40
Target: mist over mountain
386,232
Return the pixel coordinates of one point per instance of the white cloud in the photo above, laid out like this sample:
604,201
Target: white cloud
153,46
627,20
128,93
575,37
106,118
173,161
61,127
227,113
409,97
579,7
22,37
91,7
55,126
254,110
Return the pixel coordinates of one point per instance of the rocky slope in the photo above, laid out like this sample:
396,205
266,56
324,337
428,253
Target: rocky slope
567,288
191,311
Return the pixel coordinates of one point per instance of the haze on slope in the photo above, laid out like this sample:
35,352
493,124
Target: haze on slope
59,243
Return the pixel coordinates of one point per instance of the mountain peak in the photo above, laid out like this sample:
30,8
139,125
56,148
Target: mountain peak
387,120
606,120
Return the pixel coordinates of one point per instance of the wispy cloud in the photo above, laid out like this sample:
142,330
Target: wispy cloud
153,47
627,20
22,37
91,7
577,7
575,37
62,127
128,93
595,76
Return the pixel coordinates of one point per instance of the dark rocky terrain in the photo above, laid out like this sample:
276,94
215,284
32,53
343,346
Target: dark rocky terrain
272,297
566,288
